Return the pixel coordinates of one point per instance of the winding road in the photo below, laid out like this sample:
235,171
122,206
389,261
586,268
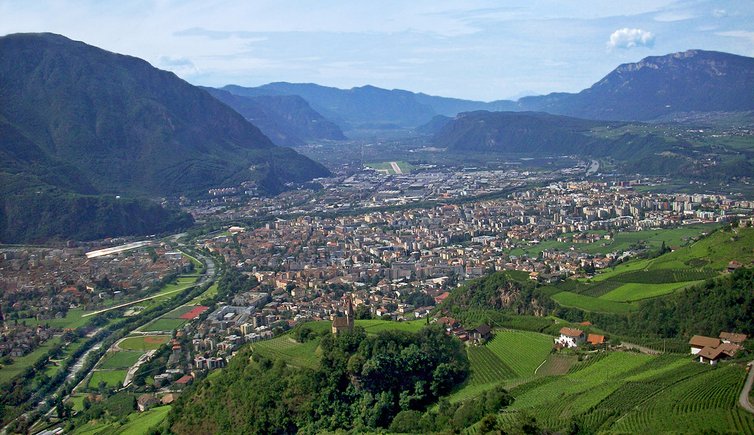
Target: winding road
743,399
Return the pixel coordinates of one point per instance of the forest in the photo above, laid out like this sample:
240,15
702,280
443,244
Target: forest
363,383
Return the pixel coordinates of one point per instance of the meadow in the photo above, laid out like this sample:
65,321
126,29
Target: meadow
292,352
111,378
120,360
143,343
137,423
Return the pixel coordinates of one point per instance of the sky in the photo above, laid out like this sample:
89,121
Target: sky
473,49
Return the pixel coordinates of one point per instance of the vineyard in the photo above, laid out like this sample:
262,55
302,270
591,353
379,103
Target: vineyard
634,393
289,350
522,351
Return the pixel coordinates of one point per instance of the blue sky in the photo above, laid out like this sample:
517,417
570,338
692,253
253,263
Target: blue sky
474,49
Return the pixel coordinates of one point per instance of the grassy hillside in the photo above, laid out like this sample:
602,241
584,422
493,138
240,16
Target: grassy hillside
616,290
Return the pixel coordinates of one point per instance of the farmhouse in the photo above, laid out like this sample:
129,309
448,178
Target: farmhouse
570,337
711,350
482,332
699,342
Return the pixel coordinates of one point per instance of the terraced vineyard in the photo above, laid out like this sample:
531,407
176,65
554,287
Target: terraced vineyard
635,393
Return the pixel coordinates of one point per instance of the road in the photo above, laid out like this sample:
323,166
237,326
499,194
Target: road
743,399
396,168
94,313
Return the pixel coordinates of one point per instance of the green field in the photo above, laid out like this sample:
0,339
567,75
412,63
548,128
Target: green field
112,378
71,320
637,291
405,167
292,352
375,326
138,423
163,324
622,241
120,360
178,312
143,343
588,303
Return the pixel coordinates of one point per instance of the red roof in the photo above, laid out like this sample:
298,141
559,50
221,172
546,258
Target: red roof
441,297
595,339
571,332
184,380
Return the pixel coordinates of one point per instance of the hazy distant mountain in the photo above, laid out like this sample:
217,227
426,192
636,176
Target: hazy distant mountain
658,86
78,120
520,132
287,120
369,107
635,146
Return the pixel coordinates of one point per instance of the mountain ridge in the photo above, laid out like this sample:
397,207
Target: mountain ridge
78,120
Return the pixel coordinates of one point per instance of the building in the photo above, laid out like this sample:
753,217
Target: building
570,337
145,401
699,342
482,332
595,339
341,323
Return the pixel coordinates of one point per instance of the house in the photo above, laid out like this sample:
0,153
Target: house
482,332
595,339
734,265
184,380
449,322
699,342
570,337
710,355
732,337
145,401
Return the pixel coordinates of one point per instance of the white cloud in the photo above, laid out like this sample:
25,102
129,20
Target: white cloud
630,38
719,13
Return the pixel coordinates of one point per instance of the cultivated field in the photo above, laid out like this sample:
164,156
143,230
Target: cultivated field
635,393
111,378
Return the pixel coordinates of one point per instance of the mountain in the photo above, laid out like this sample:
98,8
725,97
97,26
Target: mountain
77,120
655,87
288,120
659,86
369,107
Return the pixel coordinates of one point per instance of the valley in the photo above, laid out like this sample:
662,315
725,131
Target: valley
294,257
